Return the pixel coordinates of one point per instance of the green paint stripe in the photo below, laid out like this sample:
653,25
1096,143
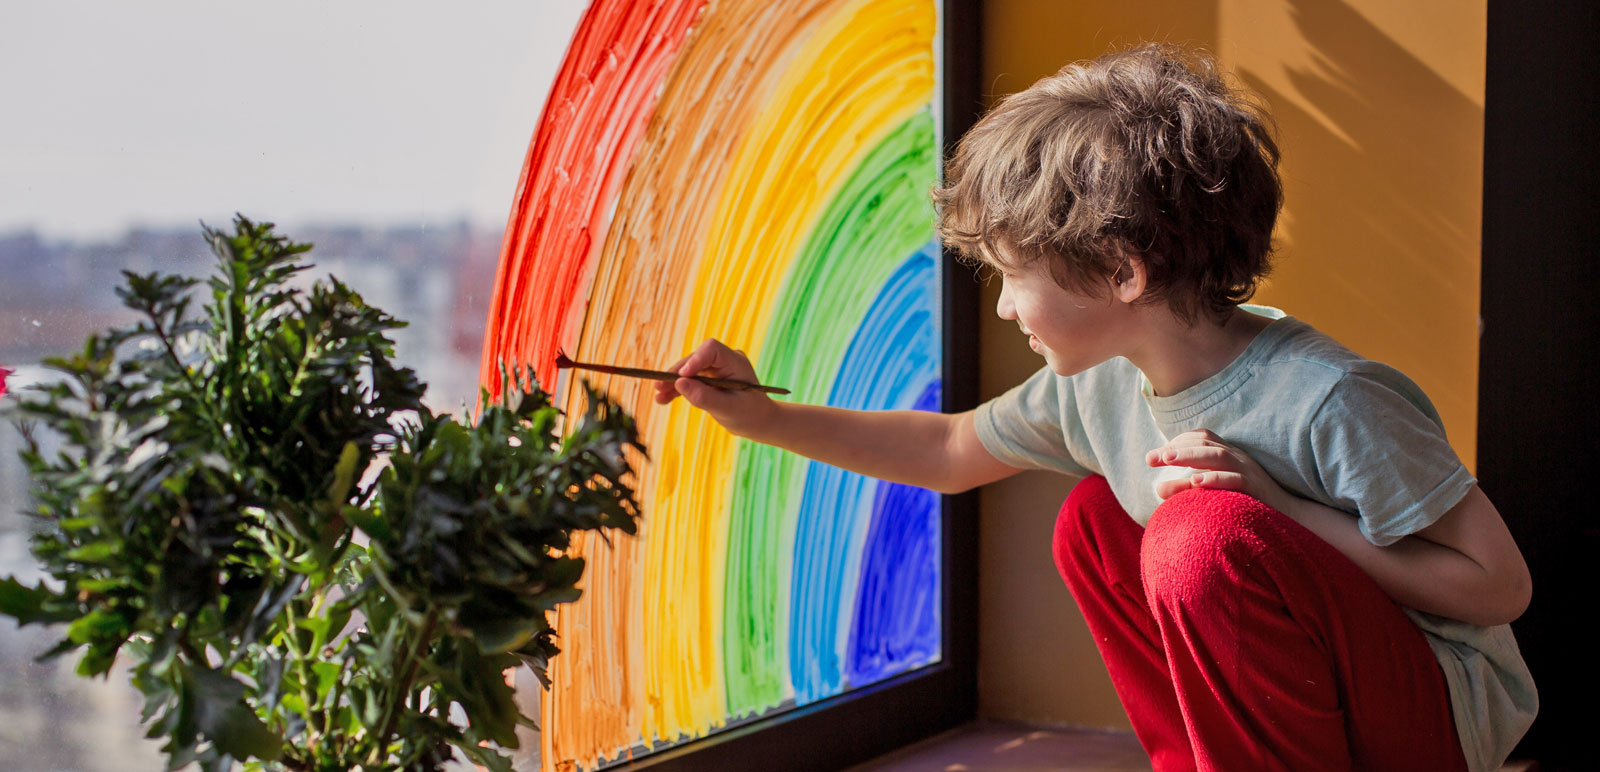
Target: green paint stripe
880,216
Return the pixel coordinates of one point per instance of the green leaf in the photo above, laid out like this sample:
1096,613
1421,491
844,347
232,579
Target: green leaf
453,437
97,660
269,608
105,585
99,552
563,571
337,615
552,598
489,702
99,626
501,634
371,707
33,605
326,674
57,650
369,522
488,758
222,716
344,476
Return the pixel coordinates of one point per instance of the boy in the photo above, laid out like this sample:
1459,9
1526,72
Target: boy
1284,564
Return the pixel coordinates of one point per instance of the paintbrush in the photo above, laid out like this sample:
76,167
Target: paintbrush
726,384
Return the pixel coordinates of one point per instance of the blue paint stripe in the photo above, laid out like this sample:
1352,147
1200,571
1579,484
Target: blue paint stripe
897,612
890,362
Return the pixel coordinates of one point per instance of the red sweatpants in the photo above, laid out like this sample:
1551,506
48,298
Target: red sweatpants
1238,640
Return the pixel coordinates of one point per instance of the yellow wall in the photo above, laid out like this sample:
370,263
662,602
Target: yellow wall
1380,113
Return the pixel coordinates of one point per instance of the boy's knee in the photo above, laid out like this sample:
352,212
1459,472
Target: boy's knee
1197,541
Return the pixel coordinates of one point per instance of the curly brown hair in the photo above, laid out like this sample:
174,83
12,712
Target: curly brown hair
1147,152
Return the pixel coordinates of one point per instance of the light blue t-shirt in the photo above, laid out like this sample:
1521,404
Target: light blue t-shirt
1329,426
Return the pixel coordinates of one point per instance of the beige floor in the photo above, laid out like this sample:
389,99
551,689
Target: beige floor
993,747
997,747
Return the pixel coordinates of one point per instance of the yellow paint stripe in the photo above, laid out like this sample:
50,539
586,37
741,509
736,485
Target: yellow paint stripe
866,70
791,93
600,699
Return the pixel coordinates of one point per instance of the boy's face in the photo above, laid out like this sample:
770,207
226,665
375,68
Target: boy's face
1072,331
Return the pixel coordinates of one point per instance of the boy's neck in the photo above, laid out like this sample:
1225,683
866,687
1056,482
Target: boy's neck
1175,356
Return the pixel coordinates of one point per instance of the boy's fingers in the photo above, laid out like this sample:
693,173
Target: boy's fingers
715,358
1166,489
1162,455
708,398
698,360
686,388
665,391
1198,438
698,394
1202,456
1221,481
1225,481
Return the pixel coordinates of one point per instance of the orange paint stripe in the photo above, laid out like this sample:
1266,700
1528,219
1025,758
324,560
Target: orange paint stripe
637,311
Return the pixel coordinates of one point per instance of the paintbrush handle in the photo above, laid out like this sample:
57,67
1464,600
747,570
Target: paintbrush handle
726,384
730,384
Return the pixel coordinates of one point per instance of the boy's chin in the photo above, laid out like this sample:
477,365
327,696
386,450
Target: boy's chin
1050,358
1058,366
1062,366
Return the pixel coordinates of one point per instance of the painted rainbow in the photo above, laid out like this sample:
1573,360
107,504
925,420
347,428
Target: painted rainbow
756,171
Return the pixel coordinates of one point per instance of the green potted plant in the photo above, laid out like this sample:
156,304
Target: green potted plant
306,567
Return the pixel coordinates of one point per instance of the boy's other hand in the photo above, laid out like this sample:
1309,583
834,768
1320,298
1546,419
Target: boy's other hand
1224,467
740,412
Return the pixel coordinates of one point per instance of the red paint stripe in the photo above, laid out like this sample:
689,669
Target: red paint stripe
599,107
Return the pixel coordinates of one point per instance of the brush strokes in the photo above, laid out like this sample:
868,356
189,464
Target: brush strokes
897,606
601,101
763,179
892,360
879,216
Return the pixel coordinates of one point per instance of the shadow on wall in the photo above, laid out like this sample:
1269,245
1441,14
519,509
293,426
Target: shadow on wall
1386,256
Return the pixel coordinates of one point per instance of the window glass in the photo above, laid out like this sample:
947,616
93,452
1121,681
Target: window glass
389,134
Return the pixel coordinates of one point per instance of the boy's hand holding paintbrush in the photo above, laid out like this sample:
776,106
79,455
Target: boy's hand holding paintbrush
742,411
940,451
715,378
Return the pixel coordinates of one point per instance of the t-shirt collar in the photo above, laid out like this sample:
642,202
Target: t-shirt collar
1213,389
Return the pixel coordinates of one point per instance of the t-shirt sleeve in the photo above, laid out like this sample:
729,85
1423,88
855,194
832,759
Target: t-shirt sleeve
1024,426
1381,453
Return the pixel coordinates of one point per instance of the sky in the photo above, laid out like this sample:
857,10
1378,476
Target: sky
162,113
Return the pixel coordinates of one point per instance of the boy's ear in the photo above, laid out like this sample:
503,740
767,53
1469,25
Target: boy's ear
1129,280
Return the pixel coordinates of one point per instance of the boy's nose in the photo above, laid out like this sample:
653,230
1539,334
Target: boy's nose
1004,307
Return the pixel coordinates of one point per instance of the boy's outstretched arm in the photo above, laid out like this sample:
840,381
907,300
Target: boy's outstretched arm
1464,566
932,450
